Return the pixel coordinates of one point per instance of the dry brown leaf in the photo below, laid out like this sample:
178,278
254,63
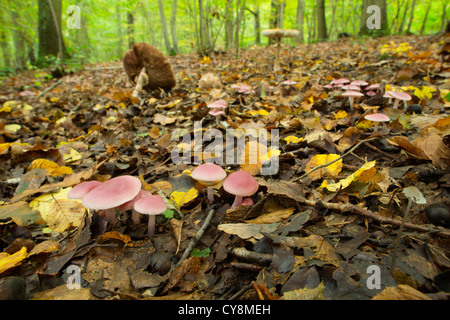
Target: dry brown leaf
45,246
272,217
402,292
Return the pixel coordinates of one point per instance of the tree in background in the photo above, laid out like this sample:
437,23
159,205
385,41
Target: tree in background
322,34
49,29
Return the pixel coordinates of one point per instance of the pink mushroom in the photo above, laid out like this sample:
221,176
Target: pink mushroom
377,118
399,96
80,190
129,205
359,83
351,96
241,184
112,193
151,205
209,174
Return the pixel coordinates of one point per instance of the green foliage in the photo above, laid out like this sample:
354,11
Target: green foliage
104,24
200,253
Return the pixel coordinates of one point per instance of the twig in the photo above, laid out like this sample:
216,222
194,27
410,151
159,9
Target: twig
196,238
335,160
347,207
49,88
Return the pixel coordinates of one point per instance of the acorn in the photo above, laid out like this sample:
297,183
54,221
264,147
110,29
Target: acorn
414,108
438,214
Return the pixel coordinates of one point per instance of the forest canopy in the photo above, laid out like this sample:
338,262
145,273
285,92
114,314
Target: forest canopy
106,29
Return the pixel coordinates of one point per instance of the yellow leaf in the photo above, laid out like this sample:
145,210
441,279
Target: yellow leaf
8,261
73,155
12,128
293,139
52,168
179,199
320,159
263,112
340,114
61,171
344,183
59,212
114,235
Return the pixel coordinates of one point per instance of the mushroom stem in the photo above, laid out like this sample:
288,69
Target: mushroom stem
141,82
110,215
237,202
151,225
277,55
396,103
350,99
135,217
210,192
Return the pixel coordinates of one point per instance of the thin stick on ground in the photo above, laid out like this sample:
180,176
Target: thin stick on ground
49,88
196,238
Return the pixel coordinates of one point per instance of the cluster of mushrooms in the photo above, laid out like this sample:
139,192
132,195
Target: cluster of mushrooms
125,193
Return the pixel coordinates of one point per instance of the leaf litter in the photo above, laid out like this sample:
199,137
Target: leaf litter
331,211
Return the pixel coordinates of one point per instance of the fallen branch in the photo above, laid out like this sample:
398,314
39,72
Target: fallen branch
49,88
335,160
347,207
196,238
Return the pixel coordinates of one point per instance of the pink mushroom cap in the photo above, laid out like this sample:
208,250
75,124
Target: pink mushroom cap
219,104
151,205
80,190
377,117
351,93
351,87
208,174
129,205
360,83
400,95
112,193
240,183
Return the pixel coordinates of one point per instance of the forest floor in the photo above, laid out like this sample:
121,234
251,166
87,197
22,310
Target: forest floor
315,231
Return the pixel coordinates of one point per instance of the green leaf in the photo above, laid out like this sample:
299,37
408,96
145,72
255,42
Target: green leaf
200,253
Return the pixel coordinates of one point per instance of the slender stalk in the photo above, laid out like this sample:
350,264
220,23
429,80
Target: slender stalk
399,236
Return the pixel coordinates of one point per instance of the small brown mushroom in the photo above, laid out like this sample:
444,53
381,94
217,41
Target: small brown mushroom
277,34
148,68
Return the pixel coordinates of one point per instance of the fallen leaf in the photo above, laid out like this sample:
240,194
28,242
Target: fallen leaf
344,183
45,246
8,261
248,230
402,292
272,217
331,171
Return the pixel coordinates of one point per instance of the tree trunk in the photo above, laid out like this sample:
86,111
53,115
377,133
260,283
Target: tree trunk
50,37
299,19
162,17
173,27
119,34
321,22
422,30
411,17
374,18
6,53
130,29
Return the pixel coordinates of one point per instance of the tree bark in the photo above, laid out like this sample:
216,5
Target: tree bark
130,29
162,17
299,19
422,29
49,35
173,27
321,22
